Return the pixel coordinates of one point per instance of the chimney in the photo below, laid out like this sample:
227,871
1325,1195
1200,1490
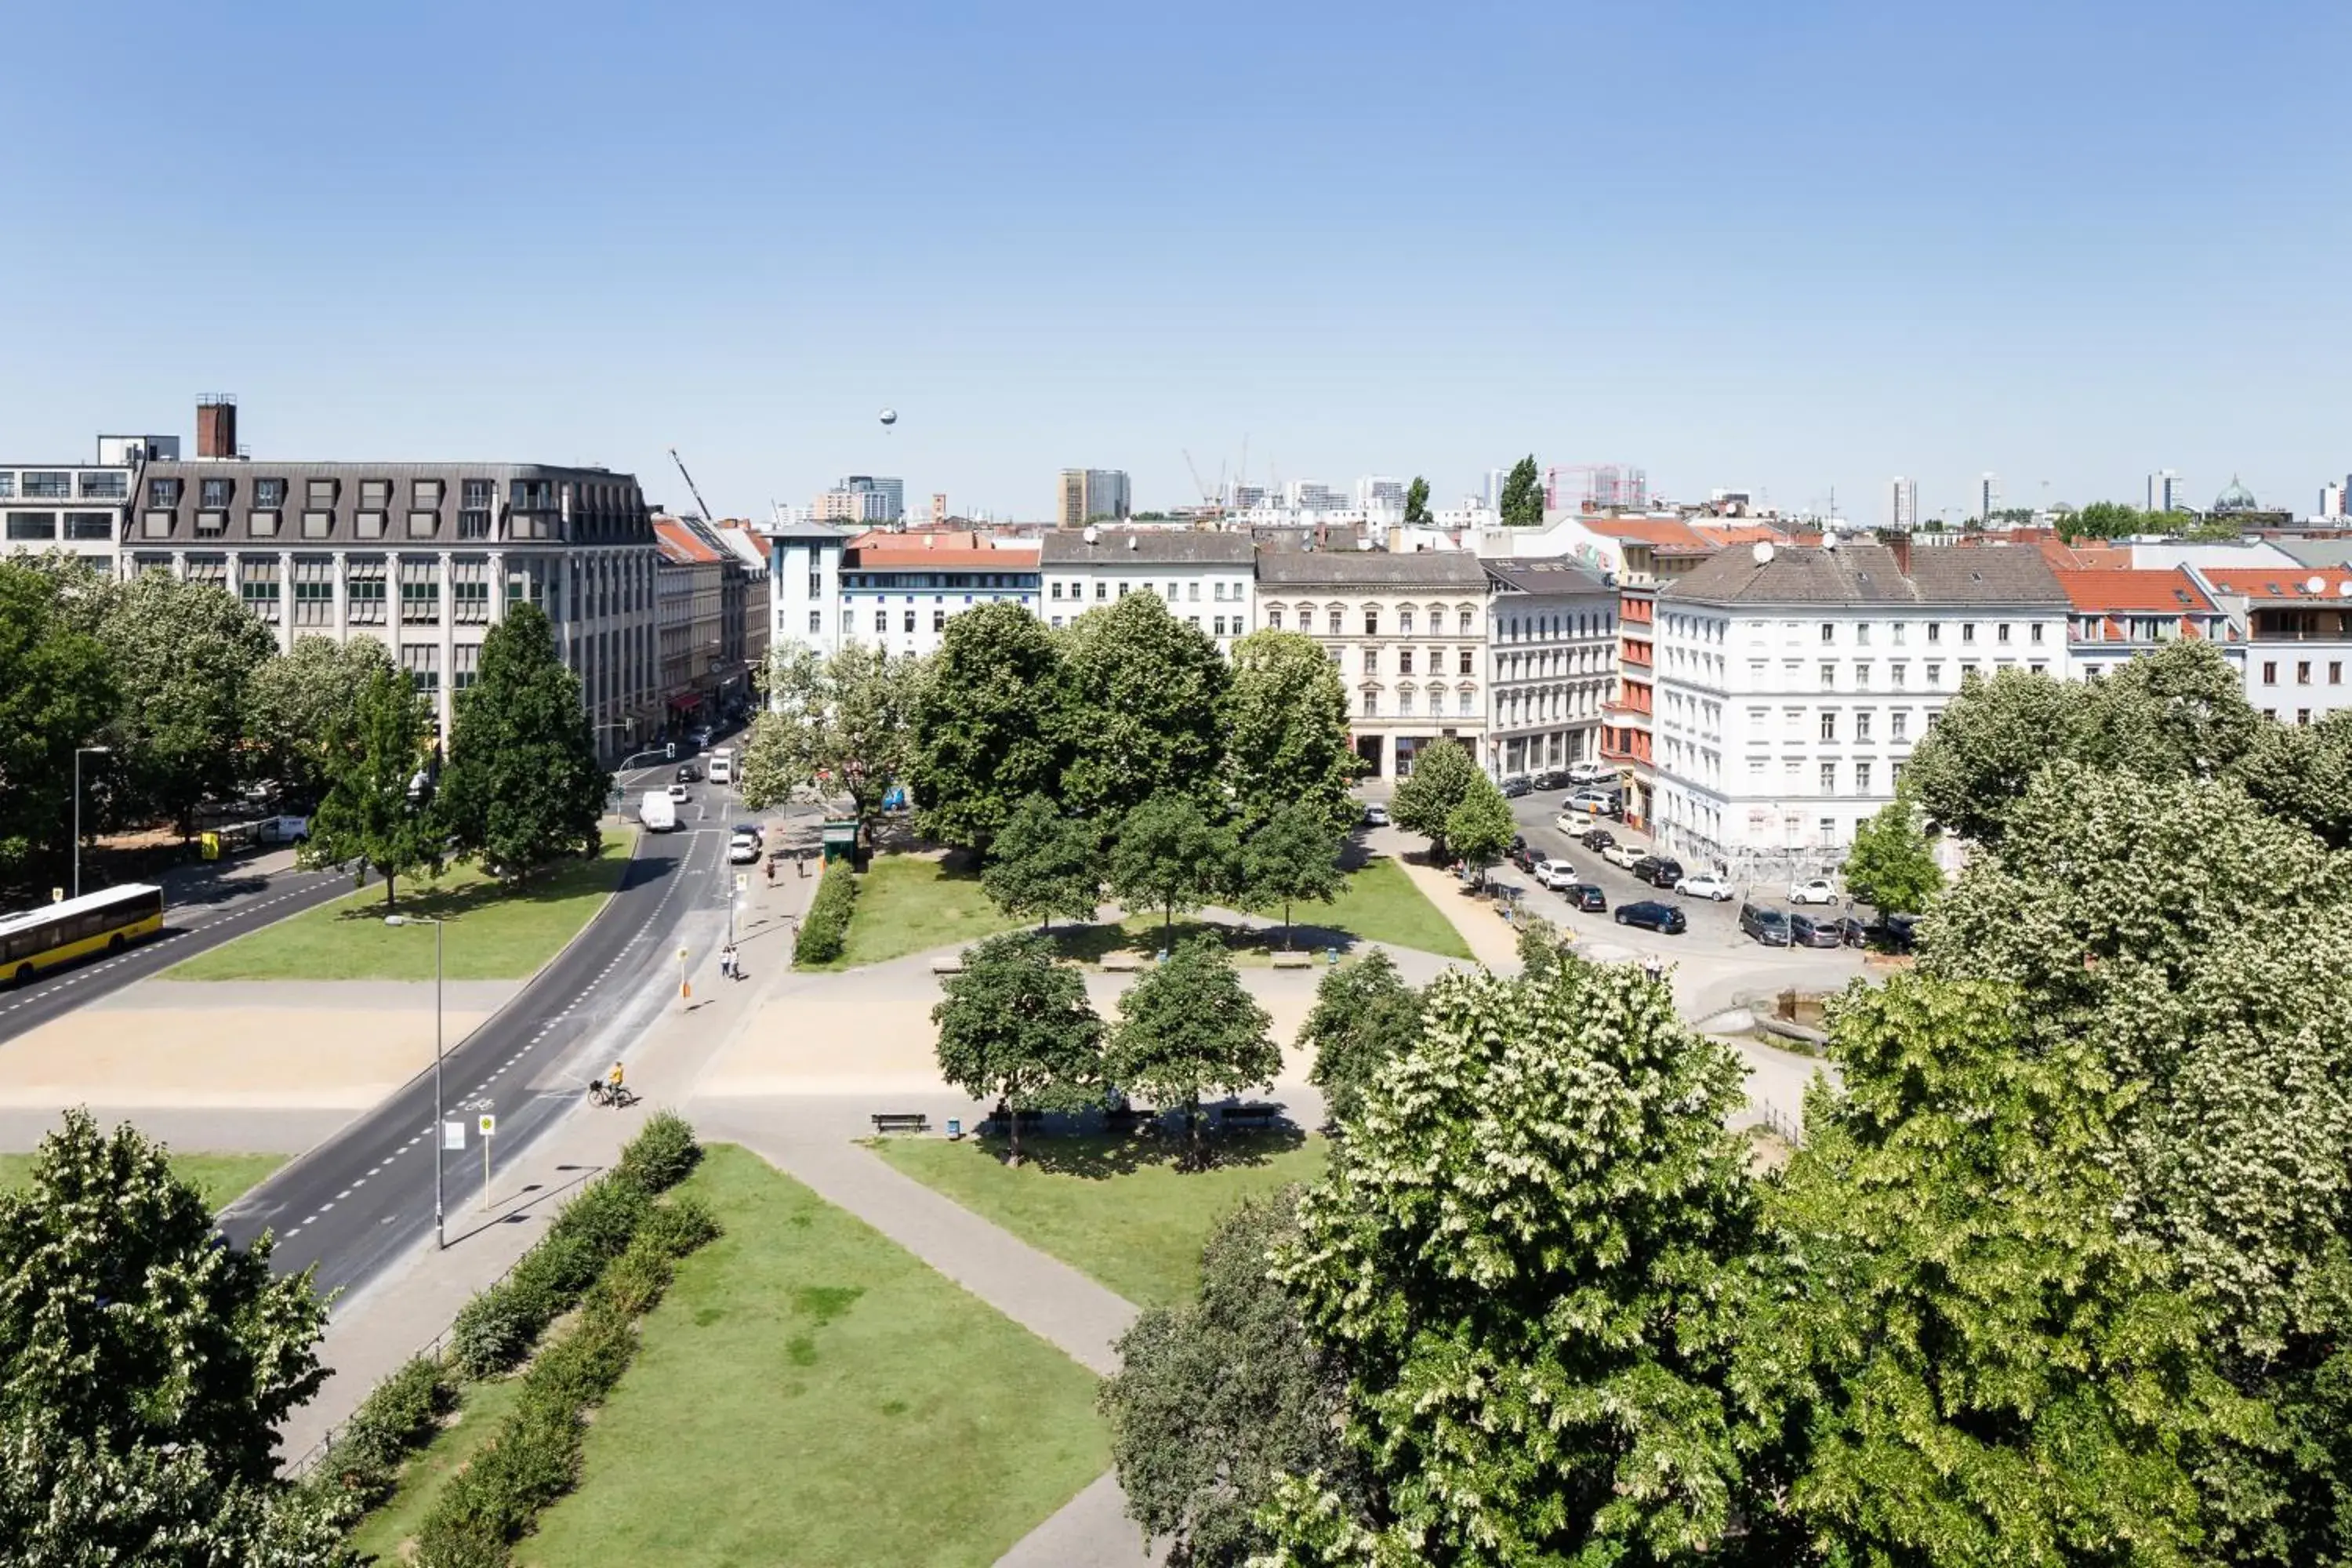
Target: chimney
1901,545
216,425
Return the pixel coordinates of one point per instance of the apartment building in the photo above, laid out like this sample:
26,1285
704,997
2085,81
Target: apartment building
805,595
423,557
76,508
1082,496
1409,636
2296,623
1206,578
1792,683
701,654
2113,615
897,591
1552,657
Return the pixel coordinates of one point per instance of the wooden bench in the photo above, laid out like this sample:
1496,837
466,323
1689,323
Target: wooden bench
1122,961
1294,961
889,1121
948,963
1249,1115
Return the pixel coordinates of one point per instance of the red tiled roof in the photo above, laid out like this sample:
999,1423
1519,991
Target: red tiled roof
2106,591
1738,533
1643,529
2283,585
681,544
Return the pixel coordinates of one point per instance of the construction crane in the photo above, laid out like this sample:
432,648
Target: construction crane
689,484
1208,496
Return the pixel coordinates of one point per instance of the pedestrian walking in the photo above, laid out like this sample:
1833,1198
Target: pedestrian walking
771,873
730,965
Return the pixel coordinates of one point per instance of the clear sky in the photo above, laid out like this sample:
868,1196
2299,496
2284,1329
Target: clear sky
1792,245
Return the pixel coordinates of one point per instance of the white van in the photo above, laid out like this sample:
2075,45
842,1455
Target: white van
657,812
722,765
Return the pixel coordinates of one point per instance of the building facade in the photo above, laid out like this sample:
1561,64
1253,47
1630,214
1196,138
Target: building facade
690,604
898,591
1793,682
2112,615
424,558
2296,623
1408,633
805,602
1551,656
1084,495
1903,504
1206,578
862,498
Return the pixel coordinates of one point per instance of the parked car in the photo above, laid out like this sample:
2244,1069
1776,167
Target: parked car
1376,815
1705,885
688,773
1551,778
1664,919
758,834
1590,773
1585,897
743,850
1555,874
1594,802
1667,873
1818,890
1645,866
1523,858
1625,855
1764,923
1513,788
678,794
1897,932
1518,841
1851,932
284,830
1806,931
1596,838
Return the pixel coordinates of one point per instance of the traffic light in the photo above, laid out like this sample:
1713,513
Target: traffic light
670,751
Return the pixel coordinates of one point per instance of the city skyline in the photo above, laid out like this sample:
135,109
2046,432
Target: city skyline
598,287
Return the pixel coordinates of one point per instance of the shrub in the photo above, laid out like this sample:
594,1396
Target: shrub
662,1154
494,1331
678,1226
392,1421
825,928
603,1217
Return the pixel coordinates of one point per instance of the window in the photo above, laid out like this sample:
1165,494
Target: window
1371,622
1862,778
1274,619
1829,725
1829,632
1464,706
375,494
1900,628
105,484
469,595
261,524
1829,831
32,525
1372,661
1968,631
322,492
159,492
256,585
1056,593
478,495
817,619
2335,667
1999,633
911,620
1193,593
1464,631
1755,767
1828,778
1102,591
469,656
1862,675
1899,724
2038,667
1861,724
269,494
1436,701
420,592
2033,632
89,525
1935,631
1404,662
1895,673
2303,672
157,524
474,522
1935,675
2269,672
1405,623
212,524
421,525
49,485
1829,676
212,493
1371,704
423,662
424,494
368,524
1466,667
314,591
316,524
1333,621
1861,634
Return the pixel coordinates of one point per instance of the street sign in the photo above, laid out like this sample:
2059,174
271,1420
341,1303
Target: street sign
743,880
489,1124
453,1135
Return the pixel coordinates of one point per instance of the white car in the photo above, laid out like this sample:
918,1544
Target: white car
1590,772
743,850
1820,890
1555,874
1623,854
1376,815
1705,885
678,794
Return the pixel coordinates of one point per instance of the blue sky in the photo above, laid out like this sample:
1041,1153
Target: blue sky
1794,247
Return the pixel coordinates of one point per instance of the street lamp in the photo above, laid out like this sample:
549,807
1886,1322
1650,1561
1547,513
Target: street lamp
80,753
440,1236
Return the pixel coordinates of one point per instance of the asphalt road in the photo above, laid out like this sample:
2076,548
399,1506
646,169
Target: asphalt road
351,1205
205,914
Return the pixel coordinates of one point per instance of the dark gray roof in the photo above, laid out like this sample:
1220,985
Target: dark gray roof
1147,546
803,528
1544,575
1372,569
1866,575
2329,553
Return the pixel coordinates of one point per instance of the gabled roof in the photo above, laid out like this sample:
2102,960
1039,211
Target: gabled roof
2104,591
1544,575
1372,569
1148,547
682,544
1859,573
2283,585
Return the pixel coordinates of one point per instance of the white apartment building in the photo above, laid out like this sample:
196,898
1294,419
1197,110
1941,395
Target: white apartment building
2297,626
804,584
1792,683
1408,633
76,508
1206,578
898,591
1903,504
1552,650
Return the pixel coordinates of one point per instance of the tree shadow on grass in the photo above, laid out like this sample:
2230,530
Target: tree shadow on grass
563,881
1099,1156
1093,943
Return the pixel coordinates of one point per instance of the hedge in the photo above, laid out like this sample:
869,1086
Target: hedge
825,930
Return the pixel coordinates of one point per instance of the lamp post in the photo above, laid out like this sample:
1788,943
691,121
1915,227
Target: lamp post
440,1236
80,753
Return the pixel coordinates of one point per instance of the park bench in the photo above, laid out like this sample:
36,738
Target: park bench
888,1121
1249,1115
1294,961
1122,961
948,963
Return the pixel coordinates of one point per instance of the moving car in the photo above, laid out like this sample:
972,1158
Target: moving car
1596,838
1593,802
757,833
1664,919
1764,923
1585,897
688,774
1376,815
1551,778
1819,891
1705,885
679,795
1625,855
1590,773
743,850
1555,874
1515,788
1806,931
1665,873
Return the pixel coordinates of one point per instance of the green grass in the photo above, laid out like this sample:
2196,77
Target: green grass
808,1393
221,1178
1115,1209
1380,903
481,1406
912,903
493,933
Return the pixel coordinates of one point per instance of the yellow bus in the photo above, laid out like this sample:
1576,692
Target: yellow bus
74,928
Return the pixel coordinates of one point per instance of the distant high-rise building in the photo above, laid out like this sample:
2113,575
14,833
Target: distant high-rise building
1314,495
1374,491
2166,491
1086,494
938,508
2331,500
862,498
1988,496
1240,497
1903,504
1490,489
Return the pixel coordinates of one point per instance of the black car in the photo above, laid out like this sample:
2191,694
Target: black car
1657,917
1851,932
1515,788
689,773
1596,838
1641,870
1585,897
1554,778
1523,858
1764,923
1806,931
1897,932
1518,841
1665,874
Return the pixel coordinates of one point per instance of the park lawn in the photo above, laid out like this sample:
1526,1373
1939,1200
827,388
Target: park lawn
221,1178
1115,1209
1380,903
912,903
809,1396
493,933
480,1407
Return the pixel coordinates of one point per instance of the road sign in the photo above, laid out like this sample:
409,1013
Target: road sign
742,882
489,1124
453,1135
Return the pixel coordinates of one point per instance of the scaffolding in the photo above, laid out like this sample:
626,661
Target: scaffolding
1596,487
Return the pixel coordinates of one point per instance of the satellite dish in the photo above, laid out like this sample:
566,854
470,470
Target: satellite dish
1829,539
1131,541
1762,550
890,417
1090,533
2313,584
2344,589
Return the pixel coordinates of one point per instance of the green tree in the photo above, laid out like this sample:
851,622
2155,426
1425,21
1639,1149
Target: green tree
1539,947
1166,854
1016,1027
303,699
2303,773
1293,856
1523,499
56,691
1530,1254
1480,826
1147,696
524,785
1216,1399
986,733
1892,866
1364,1018
1285,729
2178,712
370,762
127,1321
1970,769
1416,500
1189,1028
1441,778
1979,1367
2113,519
1046,863
184,655
838,725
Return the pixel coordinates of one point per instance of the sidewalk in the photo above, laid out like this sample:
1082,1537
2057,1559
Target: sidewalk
372,1333
1493,942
